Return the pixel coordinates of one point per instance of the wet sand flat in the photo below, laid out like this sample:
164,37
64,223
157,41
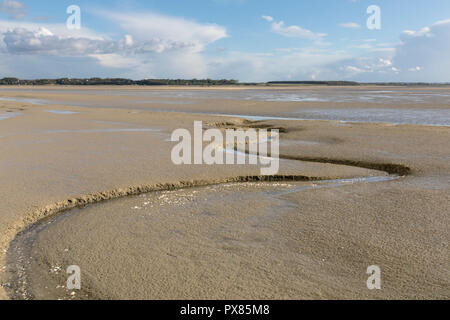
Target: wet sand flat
313,243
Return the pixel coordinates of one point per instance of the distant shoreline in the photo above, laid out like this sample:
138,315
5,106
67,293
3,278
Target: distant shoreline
361,87
11,81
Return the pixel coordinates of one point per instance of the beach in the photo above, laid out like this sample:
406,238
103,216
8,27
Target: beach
87,180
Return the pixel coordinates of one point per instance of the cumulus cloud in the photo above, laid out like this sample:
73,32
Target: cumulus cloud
421,55
300,63
153,44
146,26
292,31
166,46
425,53
59,29
43,41
15,9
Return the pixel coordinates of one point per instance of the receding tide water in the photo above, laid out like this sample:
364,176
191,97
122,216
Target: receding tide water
431,116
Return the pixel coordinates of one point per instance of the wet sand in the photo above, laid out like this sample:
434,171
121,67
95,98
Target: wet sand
314,243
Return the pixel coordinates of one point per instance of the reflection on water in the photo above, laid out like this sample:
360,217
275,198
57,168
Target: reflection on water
61,112
333,183
4,116
301,142
164,102
437,117
433,116
283,95
25,100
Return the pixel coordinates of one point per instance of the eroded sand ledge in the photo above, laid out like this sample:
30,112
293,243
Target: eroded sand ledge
61,207
56,208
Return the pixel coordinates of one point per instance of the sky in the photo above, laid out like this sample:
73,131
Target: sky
246,40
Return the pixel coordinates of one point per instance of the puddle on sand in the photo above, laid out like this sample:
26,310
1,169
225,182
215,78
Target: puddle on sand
431,117
25,100
112,130
335,183
163,102
4,116
62,112
299,142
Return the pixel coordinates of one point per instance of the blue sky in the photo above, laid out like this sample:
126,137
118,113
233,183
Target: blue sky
249,40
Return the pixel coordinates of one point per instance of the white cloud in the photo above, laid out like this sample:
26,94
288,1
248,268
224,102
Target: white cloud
113,60
151,26
146,32
424,32
428,48
178,44
267,18
153,45
350,25
301,63
43,41
293,31
416,69
15,9
166,46
57,29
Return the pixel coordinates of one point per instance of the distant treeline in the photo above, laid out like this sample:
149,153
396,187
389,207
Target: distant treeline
354,83
118,82
316,83
407,84
192,82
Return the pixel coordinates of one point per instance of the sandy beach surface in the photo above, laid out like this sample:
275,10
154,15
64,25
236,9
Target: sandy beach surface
373,193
